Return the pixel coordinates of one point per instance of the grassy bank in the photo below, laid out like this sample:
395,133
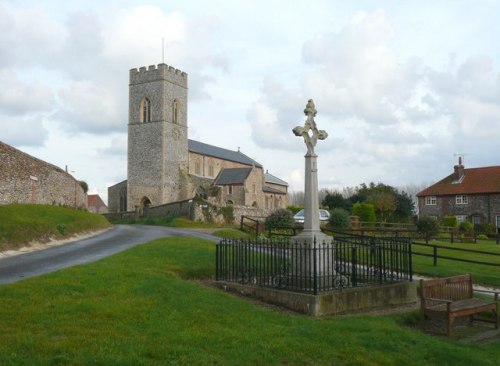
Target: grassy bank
141,307
22,224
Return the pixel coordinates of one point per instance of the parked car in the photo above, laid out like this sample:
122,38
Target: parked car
324,216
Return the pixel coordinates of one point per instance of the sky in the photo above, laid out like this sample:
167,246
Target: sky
401,87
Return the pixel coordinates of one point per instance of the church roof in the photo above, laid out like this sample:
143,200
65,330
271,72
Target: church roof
232,176
218,152
268,189
269,178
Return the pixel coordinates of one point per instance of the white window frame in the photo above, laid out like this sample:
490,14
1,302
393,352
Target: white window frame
461,199
430,200
461,219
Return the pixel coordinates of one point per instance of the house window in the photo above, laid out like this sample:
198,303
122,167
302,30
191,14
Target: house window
461,199
461,219
430,200
229,189
476,220
197,168
175,111
145,110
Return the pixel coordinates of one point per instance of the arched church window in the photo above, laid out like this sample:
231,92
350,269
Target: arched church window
175,111
145,110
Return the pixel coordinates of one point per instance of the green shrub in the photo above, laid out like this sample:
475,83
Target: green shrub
227,213
486,228
339,218
466,227
61,228
365,211
450,221
482,237
279,218
294,209
427,226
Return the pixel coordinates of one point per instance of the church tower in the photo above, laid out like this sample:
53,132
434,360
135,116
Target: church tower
157,136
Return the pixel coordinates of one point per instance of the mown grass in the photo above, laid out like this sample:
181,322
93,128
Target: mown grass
141,307
21,224
481,274
171,221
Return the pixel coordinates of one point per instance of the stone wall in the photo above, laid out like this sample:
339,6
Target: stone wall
26,179
486,206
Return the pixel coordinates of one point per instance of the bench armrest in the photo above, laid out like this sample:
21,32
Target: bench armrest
496,294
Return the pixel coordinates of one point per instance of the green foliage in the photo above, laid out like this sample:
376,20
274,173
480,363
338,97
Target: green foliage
339,218
482,237
486,228
427,226
466,227
61,228
294,209
84,186
365,211
336,200
450,221
227,213
21,224
279,218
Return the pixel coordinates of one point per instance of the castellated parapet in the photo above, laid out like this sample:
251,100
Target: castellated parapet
162,71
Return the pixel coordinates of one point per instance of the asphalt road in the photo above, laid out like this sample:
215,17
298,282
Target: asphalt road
119,238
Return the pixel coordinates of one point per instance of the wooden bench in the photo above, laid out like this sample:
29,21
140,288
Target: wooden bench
453,297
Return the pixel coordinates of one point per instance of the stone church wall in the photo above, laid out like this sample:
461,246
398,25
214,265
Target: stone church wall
26,179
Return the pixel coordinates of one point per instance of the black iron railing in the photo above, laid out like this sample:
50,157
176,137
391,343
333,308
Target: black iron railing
342,263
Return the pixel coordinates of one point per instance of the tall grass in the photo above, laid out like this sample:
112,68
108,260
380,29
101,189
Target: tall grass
142,307
21,224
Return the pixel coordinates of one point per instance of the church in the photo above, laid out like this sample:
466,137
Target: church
165,166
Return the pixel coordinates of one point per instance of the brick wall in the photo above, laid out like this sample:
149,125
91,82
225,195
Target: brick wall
26,179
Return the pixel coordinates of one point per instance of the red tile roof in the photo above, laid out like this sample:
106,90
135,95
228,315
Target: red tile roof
94,200
475,181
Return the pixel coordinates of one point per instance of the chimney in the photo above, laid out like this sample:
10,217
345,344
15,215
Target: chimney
459,171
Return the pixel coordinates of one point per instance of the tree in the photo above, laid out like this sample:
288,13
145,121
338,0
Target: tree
384,202
84,186
336,200
427,226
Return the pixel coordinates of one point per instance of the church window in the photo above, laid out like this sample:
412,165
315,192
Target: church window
145,110
197,168
175,111
230,189
253,188
210,170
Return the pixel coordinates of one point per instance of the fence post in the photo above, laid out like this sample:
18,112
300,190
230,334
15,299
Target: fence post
315,264
452,237
353,266
257,228
434,255
241,222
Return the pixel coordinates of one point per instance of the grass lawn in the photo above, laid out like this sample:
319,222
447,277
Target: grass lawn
481,274
142,307
22,223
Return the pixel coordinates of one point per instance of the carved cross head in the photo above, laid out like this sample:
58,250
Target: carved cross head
310,140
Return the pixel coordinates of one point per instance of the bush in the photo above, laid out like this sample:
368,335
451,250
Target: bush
365,211
280,218
450,221
339,218
294,209
427,226
466,227
486,228
482,237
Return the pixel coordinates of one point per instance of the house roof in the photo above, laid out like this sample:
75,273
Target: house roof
232,176
94,200
269,178
475,181
268,189
218,152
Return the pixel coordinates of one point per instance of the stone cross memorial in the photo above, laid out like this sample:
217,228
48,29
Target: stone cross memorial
311,135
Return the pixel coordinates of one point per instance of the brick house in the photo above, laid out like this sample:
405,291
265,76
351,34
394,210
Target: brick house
469,194
96,204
